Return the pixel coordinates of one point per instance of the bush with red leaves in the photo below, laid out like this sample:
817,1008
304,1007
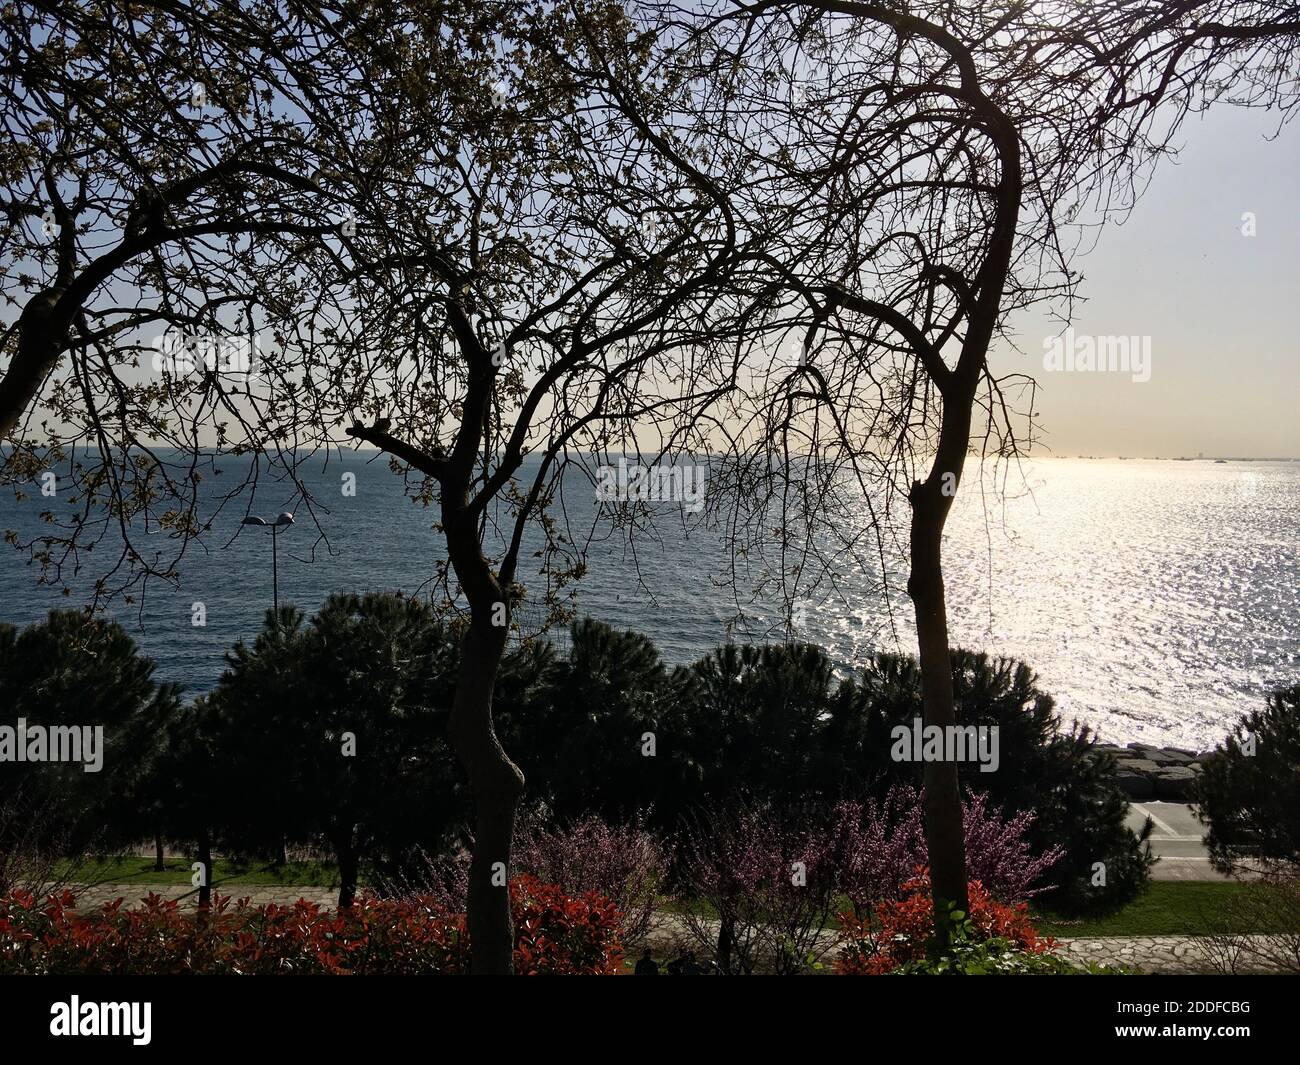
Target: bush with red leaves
556,934
899,929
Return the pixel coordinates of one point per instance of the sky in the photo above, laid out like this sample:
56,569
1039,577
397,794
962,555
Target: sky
1217,305
1219,308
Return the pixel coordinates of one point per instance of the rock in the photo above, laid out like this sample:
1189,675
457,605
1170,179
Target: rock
1174,782
1145,771
1172,756
1120,754
1136,785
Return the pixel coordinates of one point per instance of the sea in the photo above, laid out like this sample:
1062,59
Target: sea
1157,600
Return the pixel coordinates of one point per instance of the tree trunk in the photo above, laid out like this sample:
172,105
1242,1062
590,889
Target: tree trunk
931,500
726,936
345,850
158,854
944,833
205,859
42,329
496,783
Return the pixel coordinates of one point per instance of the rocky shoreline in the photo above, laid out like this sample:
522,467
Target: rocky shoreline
1147,772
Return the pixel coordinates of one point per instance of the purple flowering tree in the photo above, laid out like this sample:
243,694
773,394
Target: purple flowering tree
768,882
881,844
626,863
997,854
878,845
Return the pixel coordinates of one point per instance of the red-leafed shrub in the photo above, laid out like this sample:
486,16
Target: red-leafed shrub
555,934
899,929
558,934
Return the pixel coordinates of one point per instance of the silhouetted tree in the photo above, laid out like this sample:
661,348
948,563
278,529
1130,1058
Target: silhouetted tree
927,168
168,164
337,729
1249,789
76,671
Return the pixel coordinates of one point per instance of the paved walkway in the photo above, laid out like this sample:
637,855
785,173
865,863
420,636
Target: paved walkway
1176,840
1182,954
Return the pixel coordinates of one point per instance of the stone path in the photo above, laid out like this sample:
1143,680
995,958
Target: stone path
1178,954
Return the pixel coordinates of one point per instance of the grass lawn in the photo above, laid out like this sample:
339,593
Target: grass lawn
1168,908
137,870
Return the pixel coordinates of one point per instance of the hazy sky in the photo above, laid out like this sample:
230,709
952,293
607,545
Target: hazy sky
1220,307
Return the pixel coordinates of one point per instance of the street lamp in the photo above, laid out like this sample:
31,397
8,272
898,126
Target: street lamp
285,518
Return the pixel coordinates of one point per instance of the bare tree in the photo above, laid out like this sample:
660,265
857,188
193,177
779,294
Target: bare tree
37,854
930,170
581,273
540,254
165,167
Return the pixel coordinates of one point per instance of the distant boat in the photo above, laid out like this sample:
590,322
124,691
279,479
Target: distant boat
1221,462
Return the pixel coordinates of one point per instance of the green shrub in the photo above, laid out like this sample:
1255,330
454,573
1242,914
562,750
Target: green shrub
1001,957
73,669
774,722
1249,790
578,730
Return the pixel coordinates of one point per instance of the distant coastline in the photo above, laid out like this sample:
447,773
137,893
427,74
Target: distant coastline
1168,458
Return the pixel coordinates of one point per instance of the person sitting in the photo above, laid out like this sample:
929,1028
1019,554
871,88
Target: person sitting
686,965
647,966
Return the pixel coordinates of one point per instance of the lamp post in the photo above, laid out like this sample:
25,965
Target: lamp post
284,519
